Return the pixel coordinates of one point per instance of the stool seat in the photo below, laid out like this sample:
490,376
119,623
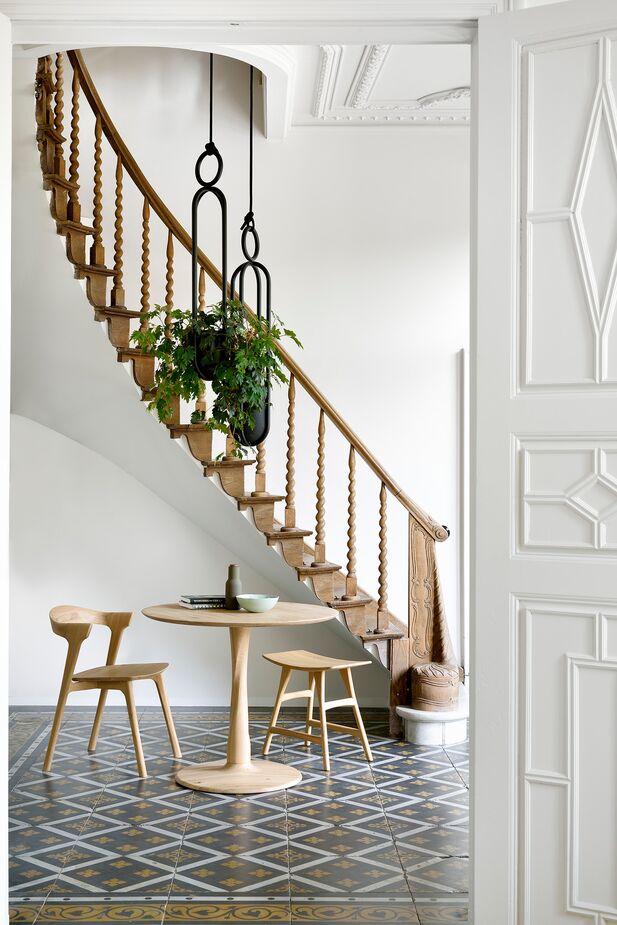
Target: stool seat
301,660
316,667
137,672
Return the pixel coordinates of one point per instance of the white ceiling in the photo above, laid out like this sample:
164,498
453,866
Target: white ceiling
368,85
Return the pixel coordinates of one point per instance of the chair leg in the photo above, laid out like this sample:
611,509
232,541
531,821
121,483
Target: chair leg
309,708
55,729
284,681
348,682
98,718
173,738
321,690
127,690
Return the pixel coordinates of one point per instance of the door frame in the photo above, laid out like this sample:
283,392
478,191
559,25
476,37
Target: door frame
263,23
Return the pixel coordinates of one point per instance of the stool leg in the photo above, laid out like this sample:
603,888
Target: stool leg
97,720
169,722
285,676
127,690
348,682
321,690
309,708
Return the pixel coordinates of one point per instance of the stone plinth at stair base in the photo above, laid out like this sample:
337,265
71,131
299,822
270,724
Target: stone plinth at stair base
425,727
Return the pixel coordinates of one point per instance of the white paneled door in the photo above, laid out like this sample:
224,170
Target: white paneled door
545,468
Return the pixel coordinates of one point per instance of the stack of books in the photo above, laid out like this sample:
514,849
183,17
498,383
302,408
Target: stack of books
202,602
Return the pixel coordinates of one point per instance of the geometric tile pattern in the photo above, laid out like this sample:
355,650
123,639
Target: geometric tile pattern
92,842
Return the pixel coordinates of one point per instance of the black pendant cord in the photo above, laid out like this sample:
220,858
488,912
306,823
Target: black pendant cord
248,229
208,186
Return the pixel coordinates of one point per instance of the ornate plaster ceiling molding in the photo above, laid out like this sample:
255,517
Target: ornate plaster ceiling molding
444,96
366,75
327,76
360,107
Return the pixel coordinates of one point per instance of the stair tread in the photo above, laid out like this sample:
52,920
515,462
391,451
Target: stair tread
309,569
74,226
290,532
248,500
59,181
130,352
116,311
93,268
51,131
377,635
339,604
228,463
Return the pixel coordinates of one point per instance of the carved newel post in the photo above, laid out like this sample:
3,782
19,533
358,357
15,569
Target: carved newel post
434,674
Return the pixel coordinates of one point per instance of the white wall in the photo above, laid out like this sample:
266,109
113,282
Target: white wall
83,531
366,236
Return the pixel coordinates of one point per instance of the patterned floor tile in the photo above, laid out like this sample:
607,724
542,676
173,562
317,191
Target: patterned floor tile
440,912
441,841
94,912
92,842
428,876
214,912
356,913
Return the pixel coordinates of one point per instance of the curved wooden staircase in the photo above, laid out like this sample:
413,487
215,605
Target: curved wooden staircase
424,636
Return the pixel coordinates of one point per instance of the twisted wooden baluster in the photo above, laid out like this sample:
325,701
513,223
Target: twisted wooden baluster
260,471
290,483
97,251
59,113
382,600
174,417
230,447
351,582
145,263
320,524
200,401
169,282
74,208
117,293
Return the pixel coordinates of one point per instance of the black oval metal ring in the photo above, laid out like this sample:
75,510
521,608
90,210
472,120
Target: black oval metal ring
250,230
211,150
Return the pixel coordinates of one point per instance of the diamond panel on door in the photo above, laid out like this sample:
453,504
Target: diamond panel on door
568,335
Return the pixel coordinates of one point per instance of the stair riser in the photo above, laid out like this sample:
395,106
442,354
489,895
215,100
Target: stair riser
143,372
200,445
75,246
96,286
263,515
232,480
355,619
292,549
323,586
119,331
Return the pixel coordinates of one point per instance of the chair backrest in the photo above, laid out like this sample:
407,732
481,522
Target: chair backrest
75,623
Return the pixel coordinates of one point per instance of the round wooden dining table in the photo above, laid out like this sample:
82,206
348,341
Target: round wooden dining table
239,773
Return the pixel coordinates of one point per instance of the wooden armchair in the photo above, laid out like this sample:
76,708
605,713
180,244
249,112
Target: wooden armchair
75,623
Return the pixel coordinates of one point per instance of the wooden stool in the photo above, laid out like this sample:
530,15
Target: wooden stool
316,666
75,623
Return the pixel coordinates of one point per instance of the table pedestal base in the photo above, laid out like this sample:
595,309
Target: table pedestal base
221,777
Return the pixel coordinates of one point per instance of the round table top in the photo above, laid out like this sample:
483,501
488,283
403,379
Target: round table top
284,614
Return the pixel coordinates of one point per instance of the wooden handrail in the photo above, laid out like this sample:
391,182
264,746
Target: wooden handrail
434,529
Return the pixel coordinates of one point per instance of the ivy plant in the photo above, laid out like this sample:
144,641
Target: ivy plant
240,349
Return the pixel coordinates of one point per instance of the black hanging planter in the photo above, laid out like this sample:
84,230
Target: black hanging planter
207,358
252,436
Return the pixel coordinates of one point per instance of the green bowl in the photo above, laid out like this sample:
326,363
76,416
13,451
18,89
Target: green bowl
257,603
